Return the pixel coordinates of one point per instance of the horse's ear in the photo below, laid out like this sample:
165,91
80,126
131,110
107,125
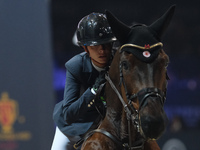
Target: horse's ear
119,29
162,23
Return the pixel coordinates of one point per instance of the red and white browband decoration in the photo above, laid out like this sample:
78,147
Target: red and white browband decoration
145,53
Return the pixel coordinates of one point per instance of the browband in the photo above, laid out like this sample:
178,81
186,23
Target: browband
141,47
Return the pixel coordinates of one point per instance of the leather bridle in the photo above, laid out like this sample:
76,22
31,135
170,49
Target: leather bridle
132,113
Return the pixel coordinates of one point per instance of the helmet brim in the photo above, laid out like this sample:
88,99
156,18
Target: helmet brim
97,42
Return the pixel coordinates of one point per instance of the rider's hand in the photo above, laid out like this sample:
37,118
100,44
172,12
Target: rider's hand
99,80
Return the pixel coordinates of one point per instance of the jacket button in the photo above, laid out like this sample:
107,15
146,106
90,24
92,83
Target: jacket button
89,105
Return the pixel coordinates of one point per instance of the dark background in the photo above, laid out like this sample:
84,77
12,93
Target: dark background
181,43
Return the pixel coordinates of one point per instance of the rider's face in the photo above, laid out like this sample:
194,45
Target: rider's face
100,54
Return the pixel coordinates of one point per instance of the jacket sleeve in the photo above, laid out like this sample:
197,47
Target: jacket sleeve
76,105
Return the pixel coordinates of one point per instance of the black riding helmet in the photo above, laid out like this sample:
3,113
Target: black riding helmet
94,29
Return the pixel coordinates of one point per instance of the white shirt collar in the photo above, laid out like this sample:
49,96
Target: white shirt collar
98,68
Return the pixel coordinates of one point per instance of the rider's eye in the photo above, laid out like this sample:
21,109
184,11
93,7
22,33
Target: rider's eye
125,65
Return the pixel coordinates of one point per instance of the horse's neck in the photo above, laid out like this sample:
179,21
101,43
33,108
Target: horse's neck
115,120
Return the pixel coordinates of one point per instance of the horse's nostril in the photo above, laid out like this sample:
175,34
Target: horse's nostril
153,127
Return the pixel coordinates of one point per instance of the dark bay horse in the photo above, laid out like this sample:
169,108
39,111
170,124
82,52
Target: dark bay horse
135,90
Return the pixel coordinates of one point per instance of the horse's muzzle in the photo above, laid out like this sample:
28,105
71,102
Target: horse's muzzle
153,119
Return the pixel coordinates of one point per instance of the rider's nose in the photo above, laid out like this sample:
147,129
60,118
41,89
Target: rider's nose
102,48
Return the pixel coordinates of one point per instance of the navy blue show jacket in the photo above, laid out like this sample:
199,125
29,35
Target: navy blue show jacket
76,113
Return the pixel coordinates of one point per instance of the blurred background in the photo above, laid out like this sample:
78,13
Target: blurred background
36,41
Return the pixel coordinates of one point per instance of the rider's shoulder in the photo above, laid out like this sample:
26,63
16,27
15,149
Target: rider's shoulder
77,59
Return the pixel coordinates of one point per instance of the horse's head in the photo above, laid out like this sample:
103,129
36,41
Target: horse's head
142,64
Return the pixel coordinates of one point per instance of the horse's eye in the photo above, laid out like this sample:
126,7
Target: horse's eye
125,65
